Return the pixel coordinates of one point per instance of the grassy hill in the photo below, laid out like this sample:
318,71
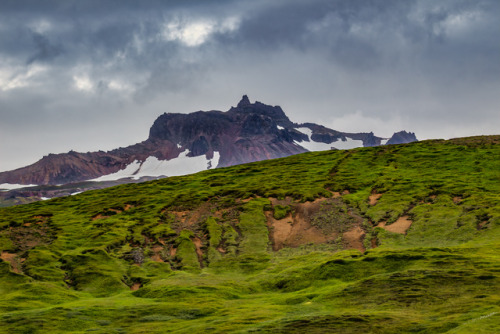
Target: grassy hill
391,239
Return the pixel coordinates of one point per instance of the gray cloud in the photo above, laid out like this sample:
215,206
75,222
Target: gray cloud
45,51
87,75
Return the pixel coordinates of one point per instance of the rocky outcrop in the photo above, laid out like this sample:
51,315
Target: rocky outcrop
402,137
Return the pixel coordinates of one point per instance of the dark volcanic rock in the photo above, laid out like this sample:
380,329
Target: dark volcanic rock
199,146
402,137
245,101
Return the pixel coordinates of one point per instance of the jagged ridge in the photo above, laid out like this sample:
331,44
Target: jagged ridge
246,133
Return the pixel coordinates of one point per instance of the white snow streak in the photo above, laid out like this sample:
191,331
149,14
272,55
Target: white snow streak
305,131
152,166
318,146
348,144
126,172
10,186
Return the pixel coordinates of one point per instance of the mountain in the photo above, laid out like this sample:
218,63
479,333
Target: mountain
402,137
180,144
391,239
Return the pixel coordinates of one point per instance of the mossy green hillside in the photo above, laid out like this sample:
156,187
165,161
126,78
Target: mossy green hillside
194,253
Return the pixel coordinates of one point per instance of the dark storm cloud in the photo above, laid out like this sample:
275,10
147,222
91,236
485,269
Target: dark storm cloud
117,64
44,49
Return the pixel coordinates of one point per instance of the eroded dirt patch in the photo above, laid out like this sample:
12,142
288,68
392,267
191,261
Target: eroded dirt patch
353,239
135,286
157,256
373,198
336,194
320,221
173,251
399,226
192,219
296,230
31,233
198,244
287,201
14,261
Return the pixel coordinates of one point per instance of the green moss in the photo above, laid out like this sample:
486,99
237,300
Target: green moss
215,237
230,239
186,251
281,211
253,227
43,265
333,217
441,276
6,244
95,272
161,231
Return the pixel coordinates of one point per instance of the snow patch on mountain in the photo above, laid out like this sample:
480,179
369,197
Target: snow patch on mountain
308,132
127,172
11,186
153,167
347,144
314,146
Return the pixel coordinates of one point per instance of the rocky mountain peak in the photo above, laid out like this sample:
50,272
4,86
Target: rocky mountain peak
402,137
245,101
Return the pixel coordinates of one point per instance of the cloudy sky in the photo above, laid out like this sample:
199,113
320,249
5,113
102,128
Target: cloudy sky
90,75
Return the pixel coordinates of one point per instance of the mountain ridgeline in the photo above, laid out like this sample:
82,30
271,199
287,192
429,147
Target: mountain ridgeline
246,133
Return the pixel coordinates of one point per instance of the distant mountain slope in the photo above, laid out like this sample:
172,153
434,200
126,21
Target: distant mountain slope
186,143
390,239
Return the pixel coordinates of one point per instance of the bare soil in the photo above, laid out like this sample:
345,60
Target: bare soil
287,201
296,230
353,239
36,233
191,218
157,256
13,260
173,251
198,244
399,226
374,198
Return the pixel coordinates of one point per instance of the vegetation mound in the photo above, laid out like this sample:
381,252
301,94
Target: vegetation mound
390,239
